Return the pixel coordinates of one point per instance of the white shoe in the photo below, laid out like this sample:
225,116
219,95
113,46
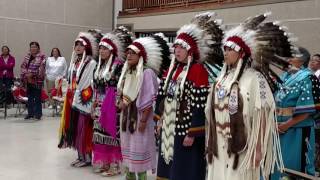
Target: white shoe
58,107
50,107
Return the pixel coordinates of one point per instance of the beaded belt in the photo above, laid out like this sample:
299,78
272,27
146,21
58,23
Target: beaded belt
285,111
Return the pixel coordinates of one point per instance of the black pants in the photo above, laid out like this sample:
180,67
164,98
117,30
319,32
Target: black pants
34,101
7,84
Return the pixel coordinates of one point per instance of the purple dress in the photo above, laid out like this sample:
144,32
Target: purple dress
139,149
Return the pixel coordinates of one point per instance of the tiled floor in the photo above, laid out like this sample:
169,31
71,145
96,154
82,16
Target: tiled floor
28,151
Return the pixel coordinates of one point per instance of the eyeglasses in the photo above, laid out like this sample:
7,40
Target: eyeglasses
130,52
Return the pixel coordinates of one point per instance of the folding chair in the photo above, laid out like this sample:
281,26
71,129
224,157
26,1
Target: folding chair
20,96
58,94
44,97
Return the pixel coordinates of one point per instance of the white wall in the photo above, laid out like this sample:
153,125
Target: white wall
53,23
117,8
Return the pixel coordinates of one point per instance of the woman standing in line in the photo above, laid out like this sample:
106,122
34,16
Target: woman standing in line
182,96
106,137
76,127
242,139
137,87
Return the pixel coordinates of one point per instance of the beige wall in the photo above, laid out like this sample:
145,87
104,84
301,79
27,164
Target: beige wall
53,23
302,18
117,9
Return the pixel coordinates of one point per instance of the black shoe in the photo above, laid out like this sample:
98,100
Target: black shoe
28,117
37,118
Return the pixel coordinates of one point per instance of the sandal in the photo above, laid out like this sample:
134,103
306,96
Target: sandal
101,169
73,164
111,172
98,170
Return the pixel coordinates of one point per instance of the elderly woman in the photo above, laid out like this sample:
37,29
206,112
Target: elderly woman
32,74
296,103
137,88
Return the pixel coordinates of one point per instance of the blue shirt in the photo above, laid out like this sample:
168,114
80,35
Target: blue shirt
296,92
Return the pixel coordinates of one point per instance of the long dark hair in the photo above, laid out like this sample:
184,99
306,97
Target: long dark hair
5,47
246,62
57,50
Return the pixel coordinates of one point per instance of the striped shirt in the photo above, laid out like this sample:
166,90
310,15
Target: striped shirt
35,66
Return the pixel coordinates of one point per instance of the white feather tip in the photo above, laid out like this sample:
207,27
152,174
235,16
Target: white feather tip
209,14
218,21
268,13
276,23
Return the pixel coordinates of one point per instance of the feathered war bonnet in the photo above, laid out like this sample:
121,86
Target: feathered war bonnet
116,41
97,33
153,53
89,42
262,43
91,49
202,39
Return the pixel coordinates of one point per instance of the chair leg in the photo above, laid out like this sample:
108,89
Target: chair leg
17,109
56,108
53,110
5,110
59,111
25,108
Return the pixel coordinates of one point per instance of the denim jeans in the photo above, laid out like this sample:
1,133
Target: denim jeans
34,101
